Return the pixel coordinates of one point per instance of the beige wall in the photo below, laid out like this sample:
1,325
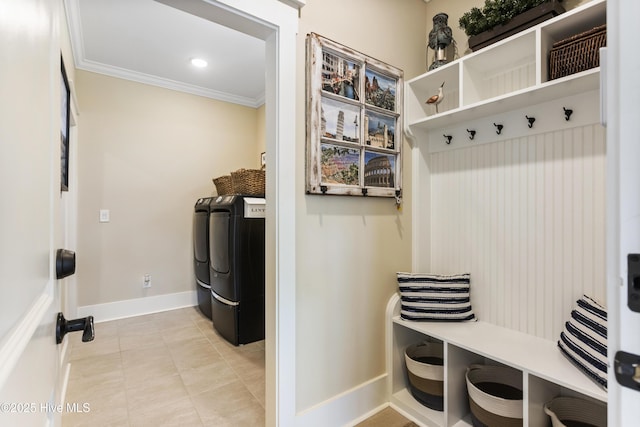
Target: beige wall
147,154
349,248
455,9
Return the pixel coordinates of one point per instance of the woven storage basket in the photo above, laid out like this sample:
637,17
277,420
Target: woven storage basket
578,53
495,395
249,182
223,185
570,411
426,373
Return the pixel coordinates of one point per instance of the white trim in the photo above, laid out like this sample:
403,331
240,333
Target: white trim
122,73
16,340
138,306
298,4
347,409
369,414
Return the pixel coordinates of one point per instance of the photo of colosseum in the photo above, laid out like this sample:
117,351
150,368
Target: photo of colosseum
379,170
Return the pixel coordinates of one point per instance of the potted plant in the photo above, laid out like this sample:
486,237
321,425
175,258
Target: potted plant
499,19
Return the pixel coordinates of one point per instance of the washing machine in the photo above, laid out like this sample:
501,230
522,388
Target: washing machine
201,254
237,267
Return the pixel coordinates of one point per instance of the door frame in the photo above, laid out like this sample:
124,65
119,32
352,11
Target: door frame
621,109
277,24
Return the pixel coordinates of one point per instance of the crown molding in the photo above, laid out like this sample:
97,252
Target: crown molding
81,63
122,73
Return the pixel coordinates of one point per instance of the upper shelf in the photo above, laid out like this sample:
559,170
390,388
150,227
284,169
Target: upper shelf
507,75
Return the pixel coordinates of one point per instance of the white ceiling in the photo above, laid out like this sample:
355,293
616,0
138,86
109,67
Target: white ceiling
152,43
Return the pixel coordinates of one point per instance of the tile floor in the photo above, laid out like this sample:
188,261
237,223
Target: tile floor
169,369
172,369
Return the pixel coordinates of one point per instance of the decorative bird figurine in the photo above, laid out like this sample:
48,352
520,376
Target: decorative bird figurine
437,98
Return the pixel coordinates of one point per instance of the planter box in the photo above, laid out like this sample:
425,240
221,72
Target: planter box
518,23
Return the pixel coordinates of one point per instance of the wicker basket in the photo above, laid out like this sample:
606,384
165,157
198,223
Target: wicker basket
248,182
565,411
223,185
495,396
425,368
578,53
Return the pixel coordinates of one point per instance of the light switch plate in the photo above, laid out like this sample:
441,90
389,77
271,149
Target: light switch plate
104,215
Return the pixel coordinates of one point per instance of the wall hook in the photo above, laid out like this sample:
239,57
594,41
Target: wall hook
365,191
530,120
472,134
498,128
324,189
448,137
567,113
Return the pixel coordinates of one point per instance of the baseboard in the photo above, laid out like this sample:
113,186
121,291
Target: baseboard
138,306
348,408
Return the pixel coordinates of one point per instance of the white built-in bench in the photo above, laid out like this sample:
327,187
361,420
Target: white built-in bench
546,372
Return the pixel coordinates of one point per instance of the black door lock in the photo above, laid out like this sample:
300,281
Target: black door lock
633,282
627,369
65,263
84,324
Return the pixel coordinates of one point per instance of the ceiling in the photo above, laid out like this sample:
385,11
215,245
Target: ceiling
152,43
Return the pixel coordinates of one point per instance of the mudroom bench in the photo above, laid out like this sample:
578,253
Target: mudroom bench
546,372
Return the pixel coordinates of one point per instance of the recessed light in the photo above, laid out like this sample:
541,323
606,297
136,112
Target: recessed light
198,62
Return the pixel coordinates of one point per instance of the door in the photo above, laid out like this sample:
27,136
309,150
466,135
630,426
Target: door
31,215
622,102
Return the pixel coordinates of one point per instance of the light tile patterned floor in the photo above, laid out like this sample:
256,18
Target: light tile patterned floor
165,369
172,369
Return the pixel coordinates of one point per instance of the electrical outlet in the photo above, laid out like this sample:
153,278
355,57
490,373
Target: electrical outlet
147,281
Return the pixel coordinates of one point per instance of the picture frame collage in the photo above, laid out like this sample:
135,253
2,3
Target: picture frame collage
354,122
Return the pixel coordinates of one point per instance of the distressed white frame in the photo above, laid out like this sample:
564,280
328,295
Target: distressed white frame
316,46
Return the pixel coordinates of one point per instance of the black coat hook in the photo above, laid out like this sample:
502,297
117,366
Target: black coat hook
448,137
472,134
530,120
364,191
567,113
498,128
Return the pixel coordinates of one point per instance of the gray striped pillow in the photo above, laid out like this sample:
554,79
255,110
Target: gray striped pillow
584,339
435,297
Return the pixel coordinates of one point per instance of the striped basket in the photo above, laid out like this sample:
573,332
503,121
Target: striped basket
570,411
426,373
495,396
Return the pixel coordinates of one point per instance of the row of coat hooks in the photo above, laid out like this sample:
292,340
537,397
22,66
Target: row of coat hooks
530,121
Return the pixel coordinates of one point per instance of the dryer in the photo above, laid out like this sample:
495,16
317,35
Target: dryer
237,267
201,254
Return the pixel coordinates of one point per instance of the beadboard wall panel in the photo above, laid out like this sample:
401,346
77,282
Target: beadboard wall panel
526,218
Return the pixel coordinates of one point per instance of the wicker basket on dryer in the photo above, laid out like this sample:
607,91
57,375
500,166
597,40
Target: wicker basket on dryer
223,185
248,182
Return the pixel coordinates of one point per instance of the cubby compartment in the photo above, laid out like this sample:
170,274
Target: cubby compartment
569,24
505,67
400,390
423,87
542,391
